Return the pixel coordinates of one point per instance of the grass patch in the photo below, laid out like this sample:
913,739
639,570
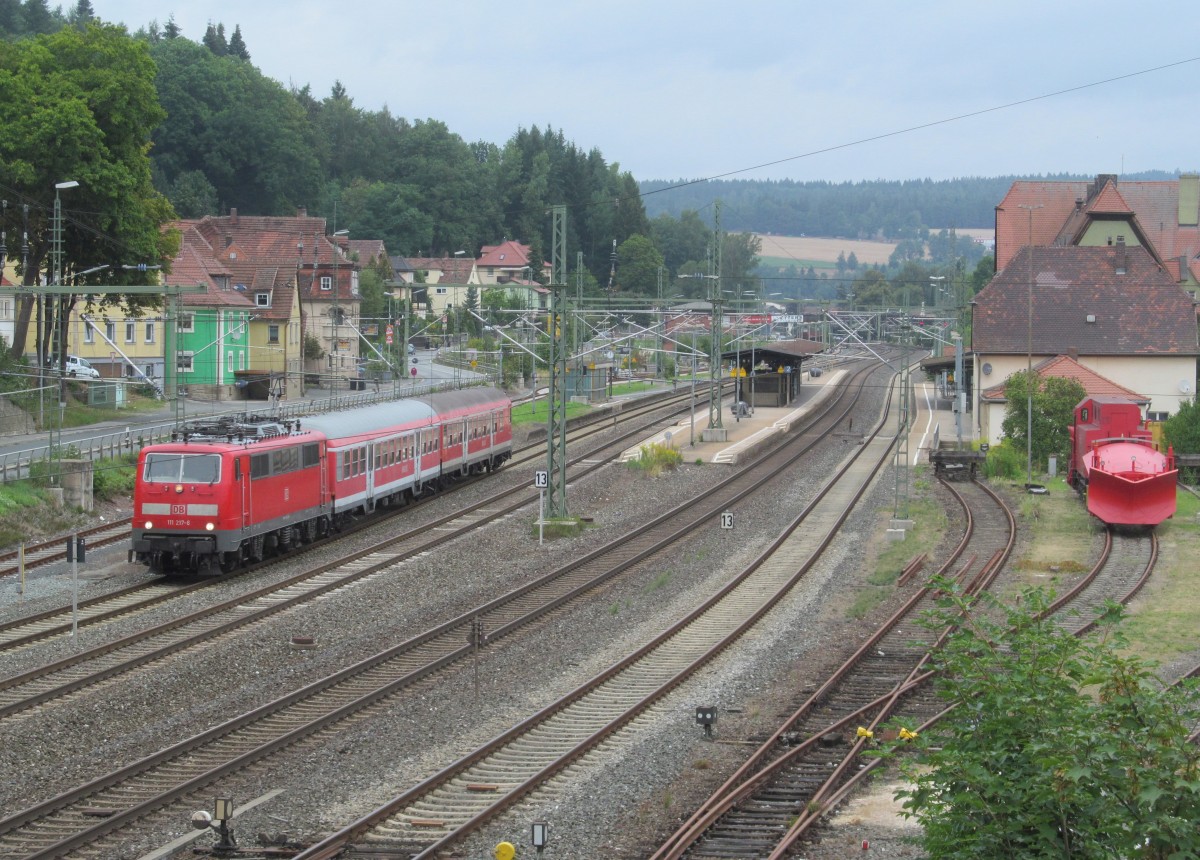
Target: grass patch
1063,534
632,387
558,528
535,412
28,513
929,526
656,458
1165,619
658,582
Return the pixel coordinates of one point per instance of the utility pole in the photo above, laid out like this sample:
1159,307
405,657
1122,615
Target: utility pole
716,430
556,402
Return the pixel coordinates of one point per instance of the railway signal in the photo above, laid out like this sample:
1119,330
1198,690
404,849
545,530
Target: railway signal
706,716
76,552
539,835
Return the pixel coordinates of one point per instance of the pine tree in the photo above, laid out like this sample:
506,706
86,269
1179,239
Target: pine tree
171,30
82,13
237,46
214,39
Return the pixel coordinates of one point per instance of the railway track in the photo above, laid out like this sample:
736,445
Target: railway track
53,550
23,632
815,751
49,551
68,825
442,810
53,680
781,794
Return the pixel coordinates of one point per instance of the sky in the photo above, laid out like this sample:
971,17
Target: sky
761,89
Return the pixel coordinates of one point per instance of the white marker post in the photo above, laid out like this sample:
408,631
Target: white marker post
541,480
75,551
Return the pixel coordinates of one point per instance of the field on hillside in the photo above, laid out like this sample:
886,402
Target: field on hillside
816,249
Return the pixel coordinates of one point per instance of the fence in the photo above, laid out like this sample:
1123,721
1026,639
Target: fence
14,465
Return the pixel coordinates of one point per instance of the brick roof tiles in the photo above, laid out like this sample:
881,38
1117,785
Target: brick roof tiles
1140,312
1066,367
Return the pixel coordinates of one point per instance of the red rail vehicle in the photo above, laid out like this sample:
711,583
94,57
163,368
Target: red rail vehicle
229,491
1114,463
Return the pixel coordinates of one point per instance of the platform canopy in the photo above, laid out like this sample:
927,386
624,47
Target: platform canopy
775,355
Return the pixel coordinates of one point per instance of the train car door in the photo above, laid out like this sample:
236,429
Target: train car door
370,463
241,467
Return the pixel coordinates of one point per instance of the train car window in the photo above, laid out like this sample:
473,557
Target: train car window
237,470
284,460
311,455
174,468
202,469
344,457
1083,415
260,466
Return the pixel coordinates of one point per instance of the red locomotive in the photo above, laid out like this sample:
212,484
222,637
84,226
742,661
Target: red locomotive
231,491
1127,481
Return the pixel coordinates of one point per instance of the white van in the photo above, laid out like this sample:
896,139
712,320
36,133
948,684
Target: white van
77,366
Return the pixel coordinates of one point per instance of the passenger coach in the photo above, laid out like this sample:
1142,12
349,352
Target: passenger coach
232,491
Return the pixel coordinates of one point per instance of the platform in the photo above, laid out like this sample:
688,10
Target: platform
744,436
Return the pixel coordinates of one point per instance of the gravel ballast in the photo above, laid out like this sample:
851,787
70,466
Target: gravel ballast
614,804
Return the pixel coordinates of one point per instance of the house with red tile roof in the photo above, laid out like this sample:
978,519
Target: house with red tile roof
1114,309
302,285
508,261
213,330
994,401
1163,217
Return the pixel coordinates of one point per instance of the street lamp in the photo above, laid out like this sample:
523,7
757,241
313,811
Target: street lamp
57,239
935,284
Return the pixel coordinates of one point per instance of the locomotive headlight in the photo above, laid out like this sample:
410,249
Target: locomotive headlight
179,488
149,524
209,526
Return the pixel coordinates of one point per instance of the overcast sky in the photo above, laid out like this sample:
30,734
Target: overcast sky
696,89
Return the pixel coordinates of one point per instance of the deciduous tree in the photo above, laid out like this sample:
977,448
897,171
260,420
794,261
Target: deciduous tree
1056,746
1054,401
80,105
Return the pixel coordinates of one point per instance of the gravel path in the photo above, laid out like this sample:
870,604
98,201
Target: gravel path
617,805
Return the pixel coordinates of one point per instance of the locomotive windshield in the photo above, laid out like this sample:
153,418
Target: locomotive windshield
182,468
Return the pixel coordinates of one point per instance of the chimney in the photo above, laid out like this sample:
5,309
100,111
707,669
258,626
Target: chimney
1073,353
1183,268
228,239
1078,204
302,212
1120,255
232,214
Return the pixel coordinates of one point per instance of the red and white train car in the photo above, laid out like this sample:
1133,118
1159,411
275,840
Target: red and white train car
230,491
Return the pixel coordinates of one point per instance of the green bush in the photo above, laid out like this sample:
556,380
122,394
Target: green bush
655,458
114,478
1005,461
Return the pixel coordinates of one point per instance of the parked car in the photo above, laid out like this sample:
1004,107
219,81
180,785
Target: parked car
80,367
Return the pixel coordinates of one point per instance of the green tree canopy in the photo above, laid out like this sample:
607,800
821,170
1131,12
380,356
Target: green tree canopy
638,264
1182,429
243,132
79,105
1054,402
1056,746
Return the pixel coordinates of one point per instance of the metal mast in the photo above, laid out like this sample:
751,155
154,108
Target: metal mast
900,511
556,424
714,350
